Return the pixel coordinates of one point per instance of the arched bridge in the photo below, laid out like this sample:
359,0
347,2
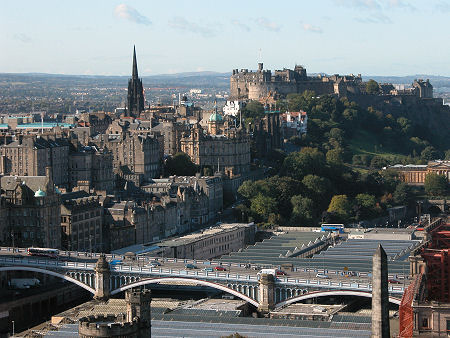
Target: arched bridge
104,280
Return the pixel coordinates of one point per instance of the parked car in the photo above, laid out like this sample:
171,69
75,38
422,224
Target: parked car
209,269
394,281
154,264
220,268
115,262
322,275
190,266
280,273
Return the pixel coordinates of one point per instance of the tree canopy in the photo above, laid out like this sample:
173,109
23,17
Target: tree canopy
436,185
180,164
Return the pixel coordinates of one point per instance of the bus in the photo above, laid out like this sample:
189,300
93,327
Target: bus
339,228
43,252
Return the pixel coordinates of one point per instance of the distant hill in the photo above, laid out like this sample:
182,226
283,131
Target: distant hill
204,78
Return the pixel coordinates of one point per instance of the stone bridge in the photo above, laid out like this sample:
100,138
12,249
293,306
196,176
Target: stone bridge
104,280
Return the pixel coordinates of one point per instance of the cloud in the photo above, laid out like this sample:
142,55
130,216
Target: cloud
401,4
22,38
266,24
180,23
310,28
360,4
442,6
240,25
375,18
129,13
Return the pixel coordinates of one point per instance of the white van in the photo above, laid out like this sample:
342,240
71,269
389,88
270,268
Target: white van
267,272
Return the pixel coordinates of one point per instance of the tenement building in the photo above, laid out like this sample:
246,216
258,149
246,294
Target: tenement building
33,212
91,168
223,149
29,155
139,153
82,223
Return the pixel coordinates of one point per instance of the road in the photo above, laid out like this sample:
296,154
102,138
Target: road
168,263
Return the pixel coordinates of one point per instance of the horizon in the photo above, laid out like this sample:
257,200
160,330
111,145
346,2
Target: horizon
327,36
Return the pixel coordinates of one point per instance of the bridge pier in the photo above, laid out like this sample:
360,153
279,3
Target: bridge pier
266,293
102,275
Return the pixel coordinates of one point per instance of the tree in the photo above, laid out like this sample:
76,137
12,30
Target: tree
253,109
436,185
402,193
341,206
335,156
372,87
307,161
302,211
367,206
180,164
263,206
429,154
248,189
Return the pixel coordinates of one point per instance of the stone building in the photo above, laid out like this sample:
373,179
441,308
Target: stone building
424,88
135,98
415,174
139,153
82,223
266,134
97,122
92,169
33,209
172,133
136,323
211,243
261,84
29,155
120,225
227,152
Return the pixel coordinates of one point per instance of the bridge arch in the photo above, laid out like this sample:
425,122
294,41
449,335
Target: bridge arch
48,272
183,279
315,294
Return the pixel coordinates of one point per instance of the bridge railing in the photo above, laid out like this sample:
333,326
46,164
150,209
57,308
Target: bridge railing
212,275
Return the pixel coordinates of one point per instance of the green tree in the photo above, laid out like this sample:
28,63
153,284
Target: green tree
429,154
253,109
180,164
248,189
263,206
436,185
367,206
341,206
402,193
307,161
372,87
302,211
335,156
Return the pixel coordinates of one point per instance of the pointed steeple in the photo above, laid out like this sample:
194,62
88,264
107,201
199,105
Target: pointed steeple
135,70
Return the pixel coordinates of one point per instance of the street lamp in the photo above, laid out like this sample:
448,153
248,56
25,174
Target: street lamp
13,331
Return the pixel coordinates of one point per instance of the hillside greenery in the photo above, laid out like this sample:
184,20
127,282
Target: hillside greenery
336,175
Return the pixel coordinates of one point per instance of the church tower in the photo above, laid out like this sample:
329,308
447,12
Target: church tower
135,100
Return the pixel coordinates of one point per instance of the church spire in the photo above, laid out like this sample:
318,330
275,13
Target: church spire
135,70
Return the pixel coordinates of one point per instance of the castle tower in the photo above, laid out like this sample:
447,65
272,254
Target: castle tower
135,99
138,305
380,295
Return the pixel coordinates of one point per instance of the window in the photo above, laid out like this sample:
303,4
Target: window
425,323
448,325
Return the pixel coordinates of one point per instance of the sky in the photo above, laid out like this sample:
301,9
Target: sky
371,37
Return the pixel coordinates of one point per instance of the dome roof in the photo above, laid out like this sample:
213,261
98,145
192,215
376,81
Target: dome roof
216,117
40,193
